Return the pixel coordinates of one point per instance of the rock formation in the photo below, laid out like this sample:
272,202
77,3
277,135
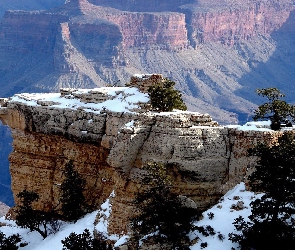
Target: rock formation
109,143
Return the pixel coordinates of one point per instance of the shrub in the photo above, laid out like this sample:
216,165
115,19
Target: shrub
205,230
165,98
72,198
276,109
220,236
203,245
210,215
85,241
27,217
9,243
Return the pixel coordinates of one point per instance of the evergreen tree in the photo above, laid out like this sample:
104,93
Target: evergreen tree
165,98
272,221
9,243
27,217
73,201
85,241
161,212
276,109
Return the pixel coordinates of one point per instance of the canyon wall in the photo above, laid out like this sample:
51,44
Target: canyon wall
109,149
231,24
83,45
28,5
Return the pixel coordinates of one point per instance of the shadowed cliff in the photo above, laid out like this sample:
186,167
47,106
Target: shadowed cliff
278,70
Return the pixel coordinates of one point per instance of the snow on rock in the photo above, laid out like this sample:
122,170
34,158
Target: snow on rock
115,99
102,222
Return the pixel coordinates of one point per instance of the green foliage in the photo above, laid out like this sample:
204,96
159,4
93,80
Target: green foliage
72,198
85,241
27,217
271,223
276,109
161,213
9,243
165,98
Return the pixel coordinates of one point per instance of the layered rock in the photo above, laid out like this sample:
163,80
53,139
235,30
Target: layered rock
143,6
240,21
29,5
110,147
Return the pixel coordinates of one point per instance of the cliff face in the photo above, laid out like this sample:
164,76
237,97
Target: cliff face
110,147
143,6
230,25
28,5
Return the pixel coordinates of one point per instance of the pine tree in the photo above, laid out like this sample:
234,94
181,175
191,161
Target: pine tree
10,242
161,212
27,217
165,98
271,223
276,109
72,198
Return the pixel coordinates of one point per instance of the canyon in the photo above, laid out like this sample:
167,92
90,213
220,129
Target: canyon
218,52
109,145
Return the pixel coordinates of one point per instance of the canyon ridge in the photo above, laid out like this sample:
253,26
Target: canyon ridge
218,52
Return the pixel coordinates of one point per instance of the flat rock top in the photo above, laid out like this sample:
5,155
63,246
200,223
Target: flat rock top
115,99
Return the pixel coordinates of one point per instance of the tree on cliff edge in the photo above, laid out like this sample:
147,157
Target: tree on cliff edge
276,109
165,98
72,198
272,222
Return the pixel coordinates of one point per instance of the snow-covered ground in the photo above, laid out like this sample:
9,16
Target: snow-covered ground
224,215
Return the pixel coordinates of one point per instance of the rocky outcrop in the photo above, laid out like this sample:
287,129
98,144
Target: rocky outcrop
110,147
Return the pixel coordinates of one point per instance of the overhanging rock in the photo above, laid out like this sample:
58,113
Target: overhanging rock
109,141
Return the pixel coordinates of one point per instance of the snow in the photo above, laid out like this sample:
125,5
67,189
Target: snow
142,75
124,99
129,124
223,218
257,126
222,221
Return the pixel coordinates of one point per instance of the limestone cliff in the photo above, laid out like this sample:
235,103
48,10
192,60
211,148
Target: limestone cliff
109,143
